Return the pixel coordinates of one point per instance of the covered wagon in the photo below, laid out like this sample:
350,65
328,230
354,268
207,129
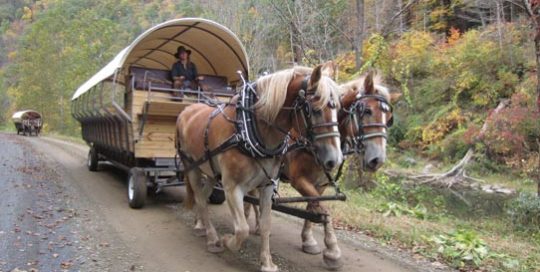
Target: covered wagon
27,122
128,109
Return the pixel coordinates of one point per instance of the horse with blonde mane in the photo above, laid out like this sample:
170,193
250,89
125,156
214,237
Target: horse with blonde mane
205,134
363,120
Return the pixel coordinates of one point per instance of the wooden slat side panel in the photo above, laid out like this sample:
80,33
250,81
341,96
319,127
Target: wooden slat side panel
157,139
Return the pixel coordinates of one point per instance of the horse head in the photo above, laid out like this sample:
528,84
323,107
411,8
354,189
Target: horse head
316,103
364,120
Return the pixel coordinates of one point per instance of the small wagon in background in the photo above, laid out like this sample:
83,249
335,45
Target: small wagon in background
27,122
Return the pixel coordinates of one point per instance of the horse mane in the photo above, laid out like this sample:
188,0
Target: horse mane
357,86
272,93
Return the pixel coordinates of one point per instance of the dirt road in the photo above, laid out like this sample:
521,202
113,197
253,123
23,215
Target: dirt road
55,215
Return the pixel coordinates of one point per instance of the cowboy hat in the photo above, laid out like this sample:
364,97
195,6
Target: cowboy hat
180,50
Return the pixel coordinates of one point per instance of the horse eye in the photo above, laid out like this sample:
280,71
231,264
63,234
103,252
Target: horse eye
368,111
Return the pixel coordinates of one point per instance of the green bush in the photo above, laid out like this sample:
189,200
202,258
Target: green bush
400,198
524,212
453,146
461,248
397,132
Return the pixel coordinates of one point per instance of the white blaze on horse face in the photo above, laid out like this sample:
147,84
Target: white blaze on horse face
335,128
383,147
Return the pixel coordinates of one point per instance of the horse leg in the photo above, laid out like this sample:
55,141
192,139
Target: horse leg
235,200
200,191
265,226
309,244
247,210
306,188
200,229
332,252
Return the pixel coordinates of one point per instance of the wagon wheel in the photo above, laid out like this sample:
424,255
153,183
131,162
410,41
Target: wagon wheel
137,188
217,196
92,161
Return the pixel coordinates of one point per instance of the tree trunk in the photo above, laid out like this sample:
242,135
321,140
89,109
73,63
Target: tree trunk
533,9
359,34
295,44
537,51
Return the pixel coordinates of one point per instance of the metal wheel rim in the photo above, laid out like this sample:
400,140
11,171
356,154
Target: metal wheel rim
131,191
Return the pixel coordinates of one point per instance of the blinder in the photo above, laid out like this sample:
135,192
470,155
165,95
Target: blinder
358,110
306,108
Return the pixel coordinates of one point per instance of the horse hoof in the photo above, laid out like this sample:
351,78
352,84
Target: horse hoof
200,232
269,268
311,249
332,263
225,240
216,247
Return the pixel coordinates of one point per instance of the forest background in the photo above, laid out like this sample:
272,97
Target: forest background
453,61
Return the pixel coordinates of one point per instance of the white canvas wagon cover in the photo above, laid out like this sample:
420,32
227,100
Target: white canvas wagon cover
25,114
215,50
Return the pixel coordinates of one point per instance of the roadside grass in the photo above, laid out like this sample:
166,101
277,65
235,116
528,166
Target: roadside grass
7,127
374,213
67,138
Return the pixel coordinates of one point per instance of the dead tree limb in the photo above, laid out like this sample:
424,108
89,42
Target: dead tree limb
457,173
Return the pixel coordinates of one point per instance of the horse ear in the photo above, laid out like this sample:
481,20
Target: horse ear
329,69
315,75
369,87
394,97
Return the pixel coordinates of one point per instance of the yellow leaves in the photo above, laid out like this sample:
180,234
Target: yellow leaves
28,14
346,66
414,45
442,126
466,80
12,55
253,12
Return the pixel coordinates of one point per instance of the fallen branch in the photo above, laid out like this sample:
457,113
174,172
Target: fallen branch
457,176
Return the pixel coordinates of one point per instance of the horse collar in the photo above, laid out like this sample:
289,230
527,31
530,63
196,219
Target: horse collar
246,127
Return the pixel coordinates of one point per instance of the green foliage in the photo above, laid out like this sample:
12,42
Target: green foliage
461,248
396,133
397,209
450,85
452,147
524,212
406,200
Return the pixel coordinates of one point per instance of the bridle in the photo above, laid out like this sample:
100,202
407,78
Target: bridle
355,115
303,102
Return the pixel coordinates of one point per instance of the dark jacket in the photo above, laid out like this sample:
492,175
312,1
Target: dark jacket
189,72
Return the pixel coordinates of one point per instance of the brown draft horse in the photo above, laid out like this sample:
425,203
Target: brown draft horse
240,173
364,117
